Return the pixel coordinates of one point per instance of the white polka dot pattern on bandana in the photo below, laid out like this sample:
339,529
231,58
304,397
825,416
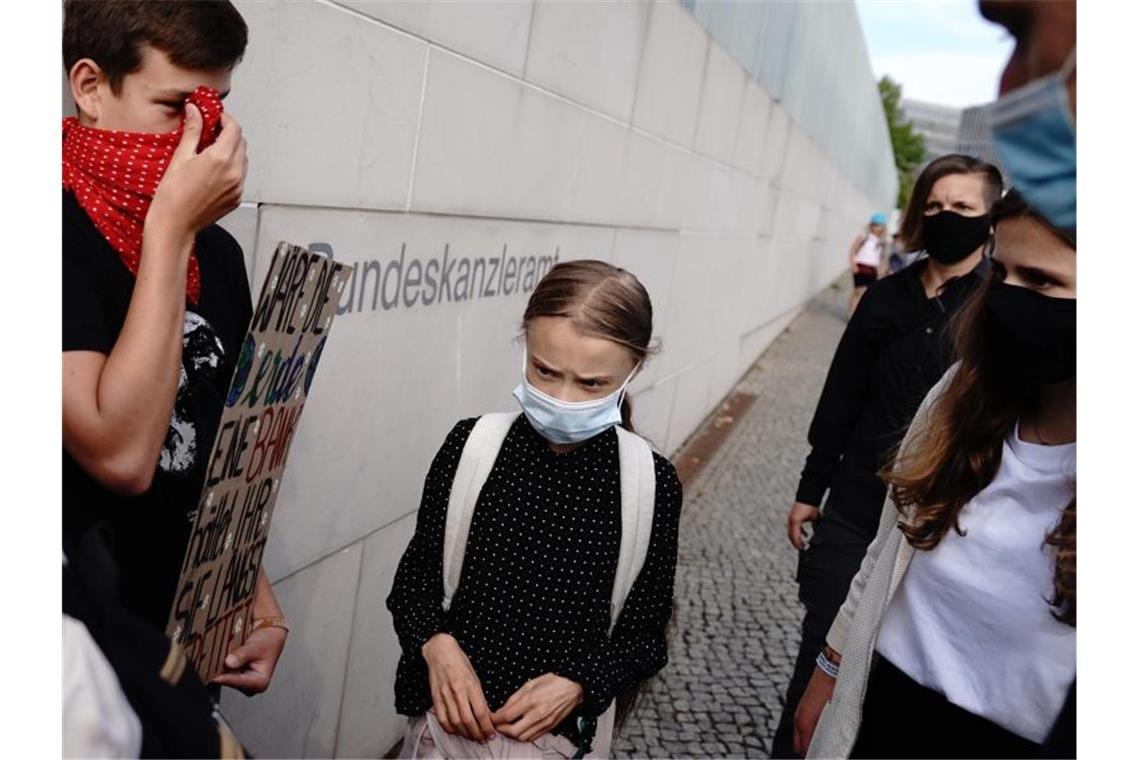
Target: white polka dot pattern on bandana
114,176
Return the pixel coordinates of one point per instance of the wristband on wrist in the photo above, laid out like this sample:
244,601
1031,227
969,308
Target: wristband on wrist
275,621
826,665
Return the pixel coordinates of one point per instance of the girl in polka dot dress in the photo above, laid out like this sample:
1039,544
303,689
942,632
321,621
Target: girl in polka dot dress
523,662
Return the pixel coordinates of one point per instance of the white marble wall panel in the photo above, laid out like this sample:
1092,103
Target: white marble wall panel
369,724
297,716
803,214
788,270
491,145
672,71
764,210
656,184
755,342
242,224
755,283
797,174
690,402
721,97
329,104
492,31
652,411
651,256
589,52
752,134
776,142
690,319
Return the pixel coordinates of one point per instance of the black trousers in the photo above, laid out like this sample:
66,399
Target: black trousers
824,574
903,718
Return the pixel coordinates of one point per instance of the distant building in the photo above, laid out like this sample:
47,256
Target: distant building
937,124
975,138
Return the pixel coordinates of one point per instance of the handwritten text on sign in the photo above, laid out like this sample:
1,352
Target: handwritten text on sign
214,599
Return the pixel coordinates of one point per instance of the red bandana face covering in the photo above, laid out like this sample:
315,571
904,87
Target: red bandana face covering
114,175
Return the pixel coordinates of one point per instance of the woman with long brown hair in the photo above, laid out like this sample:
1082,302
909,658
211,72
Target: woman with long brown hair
893,350
958,635
533,598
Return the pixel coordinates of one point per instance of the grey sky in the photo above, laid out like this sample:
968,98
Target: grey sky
941,51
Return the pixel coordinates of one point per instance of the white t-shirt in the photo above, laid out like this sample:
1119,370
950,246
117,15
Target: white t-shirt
971,619
98,721
870,252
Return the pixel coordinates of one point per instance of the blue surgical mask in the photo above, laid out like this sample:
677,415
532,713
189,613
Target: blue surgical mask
569,421
1035,133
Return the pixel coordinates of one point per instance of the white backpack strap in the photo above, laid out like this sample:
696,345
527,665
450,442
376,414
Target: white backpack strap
475,463
638,494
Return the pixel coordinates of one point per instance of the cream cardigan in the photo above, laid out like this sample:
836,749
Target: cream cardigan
856,627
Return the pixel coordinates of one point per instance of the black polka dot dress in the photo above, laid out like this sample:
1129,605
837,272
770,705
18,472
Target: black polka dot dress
538,574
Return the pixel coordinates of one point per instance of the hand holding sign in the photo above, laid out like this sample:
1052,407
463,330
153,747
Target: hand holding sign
214,602
250,667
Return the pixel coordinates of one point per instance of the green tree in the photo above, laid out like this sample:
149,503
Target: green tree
909,146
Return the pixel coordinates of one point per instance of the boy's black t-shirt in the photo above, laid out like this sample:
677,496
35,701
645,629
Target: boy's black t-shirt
150,531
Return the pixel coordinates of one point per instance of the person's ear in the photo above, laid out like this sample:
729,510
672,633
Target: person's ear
85,77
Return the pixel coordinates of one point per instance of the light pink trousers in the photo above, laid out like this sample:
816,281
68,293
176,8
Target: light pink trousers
425,738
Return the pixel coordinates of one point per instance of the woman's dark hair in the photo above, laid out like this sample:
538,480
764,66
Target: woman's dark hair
601,300
196,34
954,163
956,450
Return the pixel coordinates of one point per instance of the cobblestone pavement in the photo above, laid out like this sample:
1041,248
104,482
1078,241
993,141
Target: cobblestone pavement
737,615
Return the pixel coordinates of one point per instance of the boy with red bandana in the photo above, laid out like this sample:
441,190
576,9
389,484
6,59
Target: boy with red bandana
155,295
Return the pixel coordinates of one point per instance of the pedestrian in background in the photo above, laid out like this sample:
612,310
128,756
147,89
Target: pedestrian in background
968,594
866,258
894,349
568,565
900,258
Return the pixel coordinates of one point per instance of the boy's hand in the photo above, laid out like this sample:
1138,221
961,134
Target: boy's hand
198,189
249,668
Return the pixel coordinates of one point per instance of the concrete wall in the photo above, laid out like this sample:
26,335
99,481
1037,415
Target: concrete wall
398,134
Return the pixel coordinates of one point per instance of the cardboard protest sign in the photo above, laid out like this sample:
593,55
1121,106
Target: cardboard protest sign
213,602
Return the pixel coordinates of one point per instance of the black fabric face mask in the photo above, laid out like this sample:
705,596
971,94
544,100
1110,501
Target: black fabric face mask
1035,335
950,237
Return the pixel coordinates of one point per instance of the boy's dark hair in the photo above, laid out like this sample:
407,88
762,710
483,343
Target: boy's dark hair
195,34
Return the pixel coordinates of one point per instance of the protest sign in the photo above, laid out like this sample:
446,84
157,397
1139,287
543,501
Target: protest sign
213,602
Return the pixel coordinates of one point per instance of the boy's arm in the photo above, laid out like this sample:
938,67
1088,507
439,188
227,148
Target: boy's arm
249,668
117,406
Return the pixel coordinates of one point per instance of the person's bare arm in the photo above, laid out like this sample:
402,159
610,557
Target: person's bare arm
117,407
854,251
249,668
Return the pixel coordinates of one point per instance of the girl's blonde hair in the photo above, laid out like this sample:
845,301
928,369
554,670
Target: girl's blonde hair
602,301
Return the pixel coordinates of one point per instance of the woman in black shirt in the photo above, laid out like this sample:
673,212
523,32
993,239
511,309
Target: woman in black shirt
525,653
895,348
